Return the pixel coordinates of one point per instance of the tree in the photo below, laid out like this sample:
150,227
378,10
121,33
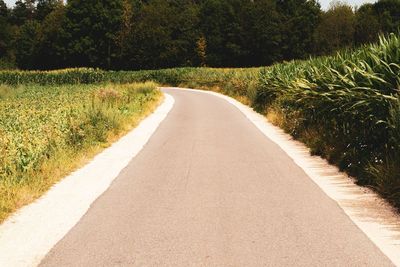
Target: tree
90,31
50,48
201,50
3,9
262,28
152,34
219,23
388,12
164,35
336,30
4,30
381,17
45,7
367,25
122,38
22,12
301,18
26,44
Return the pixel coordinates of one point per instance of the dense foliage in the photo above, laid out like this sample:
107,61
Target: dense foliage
153,34
347,104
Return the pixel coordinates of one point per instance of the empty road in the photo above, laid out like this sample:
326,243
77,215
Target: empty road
209,189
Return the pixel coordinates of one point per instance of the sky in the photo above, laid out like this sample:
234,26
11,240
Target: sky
324,3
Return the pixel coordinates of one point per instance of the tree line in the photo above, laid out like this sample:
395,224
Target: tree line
151,34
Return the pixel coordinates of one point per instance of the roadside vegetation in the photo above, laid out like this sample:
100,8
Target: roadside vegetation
345,107
48,131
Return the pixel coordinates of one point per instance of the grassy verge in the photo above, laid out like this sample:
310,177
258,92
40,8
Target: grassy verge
48,131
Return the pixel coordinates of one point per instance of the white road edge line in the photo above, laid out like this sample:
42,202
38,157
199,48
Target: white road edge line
28,235
364,207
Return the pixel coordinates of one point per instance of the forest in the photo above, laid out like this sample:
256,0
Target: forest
154,34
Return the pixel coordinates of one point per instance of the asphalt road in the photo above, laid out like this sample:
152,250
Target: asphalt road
209,189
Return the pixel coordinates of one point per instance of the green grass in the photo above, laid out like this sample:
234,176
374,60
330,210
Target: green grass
47,131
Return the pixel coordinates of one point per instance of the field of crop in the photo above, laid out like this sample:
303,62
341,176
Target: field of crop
345,107
47,131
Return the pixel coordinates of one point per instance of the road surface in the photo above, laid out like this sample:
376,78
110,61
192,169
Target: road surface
209,189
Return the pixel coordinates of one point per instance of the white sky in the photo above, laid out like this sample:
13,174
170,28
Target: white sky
324,3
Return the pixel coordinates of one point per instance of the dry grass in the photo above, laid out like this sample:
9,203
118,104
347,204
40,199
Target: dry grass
18,192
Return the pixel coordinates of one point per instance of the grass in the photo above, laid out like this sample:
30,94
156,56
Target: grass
48,131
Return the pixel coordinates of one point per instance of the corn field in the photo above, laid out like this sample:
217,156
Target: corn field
345,107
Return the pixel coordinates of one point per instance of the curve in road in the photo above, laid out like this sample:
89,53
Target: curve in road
209,189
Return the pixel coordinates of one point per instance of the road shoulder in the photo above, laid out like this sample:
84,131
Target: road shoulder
28,235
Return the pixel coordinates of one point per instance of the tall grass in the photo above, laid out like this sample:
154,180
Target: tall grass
343,107
46,130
